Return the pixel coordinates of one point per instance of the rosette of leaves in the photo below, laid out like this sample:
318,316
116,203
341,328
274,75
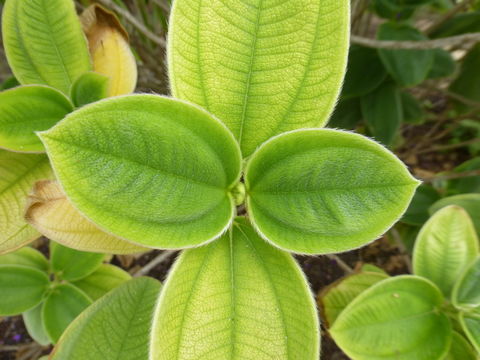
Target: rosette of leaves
52,293
253,86
49,55
373,316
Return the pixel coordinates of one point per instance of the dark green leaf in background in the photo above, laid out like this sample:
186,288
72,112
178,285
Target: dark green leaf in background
88,88
70,264
412,109
469,184
443,64
417,212
467,83
346,115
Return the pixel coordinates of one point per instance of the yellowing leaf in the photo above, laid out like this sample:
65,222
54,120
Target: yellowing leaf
109,49
50,212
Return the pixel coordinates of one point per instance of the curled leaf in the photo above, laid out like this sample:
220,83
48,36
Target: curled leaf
109,49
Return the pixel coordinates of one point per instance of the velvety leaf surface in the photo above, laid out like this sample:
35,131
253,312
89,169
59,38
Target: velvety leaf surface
109,49
116,327
26,109
466,293
446,244
88,88
26,256
149,169
64,303
69,264
237,298
262,67
104,279
471,325
22,288
469,202
44,42
34,323
52,214
396,319
337,296
460,349
18,173
321,190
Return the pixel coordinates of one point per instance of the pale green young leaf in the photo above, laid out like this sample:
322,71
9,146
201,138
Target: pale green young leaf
26,256
64,303
466,293
27,109
18,173
446,244
22,288
88,88
104,279
44,42
262,67
338,295
397,319
460,349
321,190
471,325
116,327
469,202
149,169
237,298
69,264
34,323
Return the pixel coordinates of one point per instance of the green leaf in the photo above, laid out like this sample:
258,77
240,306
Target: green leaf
34,324
346,115
412,109
467,83
470,202
44,42
27,109
18,173
391,9
459,24
26,256
446,244
469,184
22,288
88,88
395,319
466,293
104,279
365,72
383,112
335,298
417,213
9,83
261,67
69,264
237,298
471,325
460,349
116,327
321,190
62,306
407,67
443,64
153,170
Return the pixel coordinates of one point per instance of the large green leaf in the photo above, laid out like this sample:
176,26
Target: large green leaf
34,323
471,325
467,83
44,42
262,67
396,319
466,293
147,168
470,202
322,190
237,298
104,279
64,303
335,298
69,264
407,67
116,327
18,173
446,244
460,349
26,256
22,288
26,109
383,112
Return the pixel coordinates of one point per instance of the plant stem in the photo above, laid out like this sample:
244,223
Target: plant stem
163,256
